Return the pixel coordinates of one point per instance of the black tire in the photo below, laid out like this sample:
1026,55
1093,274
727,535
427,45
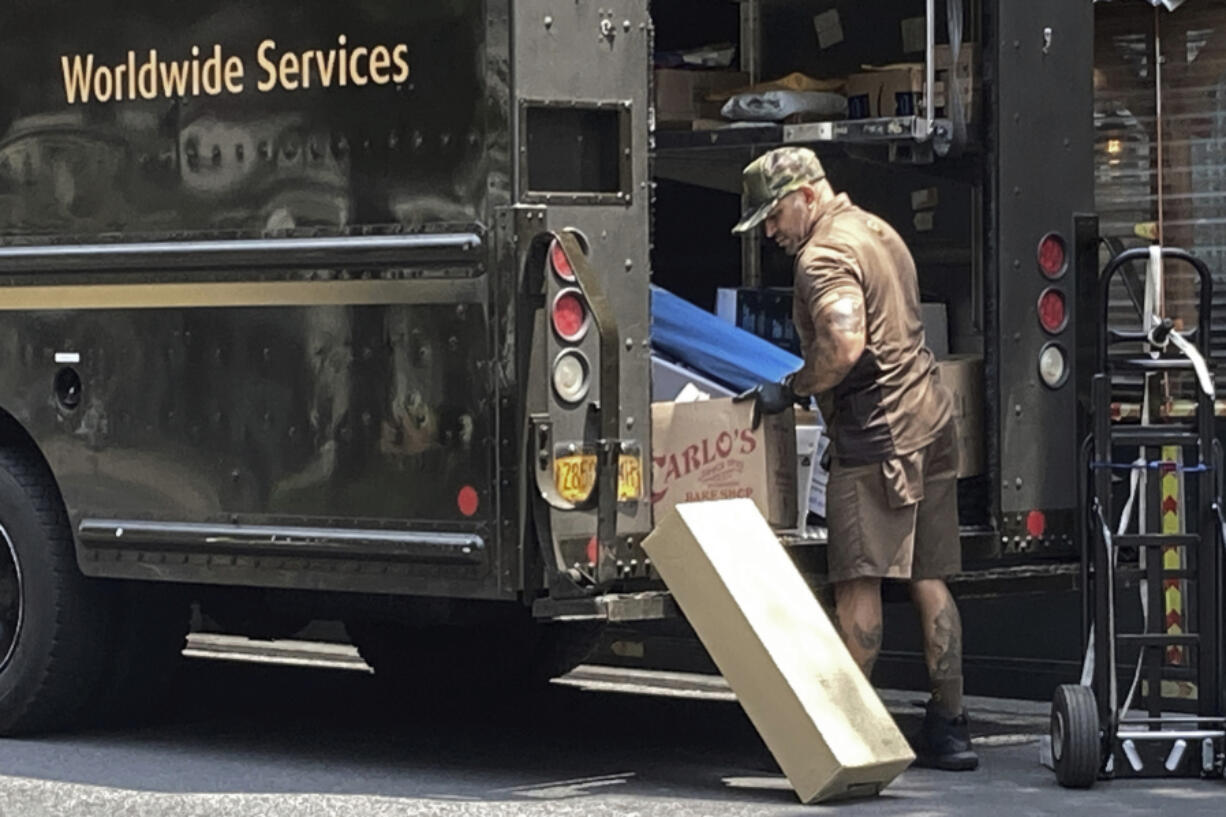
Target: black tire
61,624
146,650
1076,744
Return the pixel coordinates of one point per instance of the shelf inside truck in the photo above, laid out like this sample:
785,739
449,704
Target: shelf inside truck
887,130
890,140
898,129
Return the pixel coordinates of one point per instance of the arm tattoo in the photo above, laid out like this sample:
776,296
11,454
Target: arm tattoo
846,315
839,339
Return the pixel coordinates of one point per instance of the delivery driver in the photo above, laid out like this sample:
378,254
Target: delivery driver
891,500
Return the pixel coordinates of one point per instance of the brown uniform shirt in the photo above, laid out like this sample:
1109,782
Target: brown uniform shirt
891,403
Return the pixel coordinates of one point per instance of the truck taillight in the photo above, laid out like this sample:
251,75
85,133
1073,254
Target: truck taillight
570,316
571,376
1053,259
1053,365
1036,524
1053,315
560,263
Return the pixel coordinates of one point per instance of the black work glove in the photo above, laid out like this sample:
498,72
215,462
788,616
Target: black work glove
770,398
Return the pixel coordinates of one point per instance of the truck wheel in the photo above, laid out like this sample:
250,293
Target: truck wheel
518,658
53,620
1075,740
146,648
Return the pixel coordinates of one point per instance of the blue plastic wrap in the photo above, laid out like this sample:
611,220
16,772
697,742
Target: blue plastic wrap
713,347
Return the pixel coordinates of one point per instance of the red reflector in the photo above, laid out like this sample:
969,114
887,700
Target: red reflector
1051,255
592,548
560,263
1052,313
1036,524
467,500
569,315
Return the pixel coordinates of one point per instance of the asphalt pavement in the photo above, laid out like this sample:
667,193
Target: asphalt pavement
324,738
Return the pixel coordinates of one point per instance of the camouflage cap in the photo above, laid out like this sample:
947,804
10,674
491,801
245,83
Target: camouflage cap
770,177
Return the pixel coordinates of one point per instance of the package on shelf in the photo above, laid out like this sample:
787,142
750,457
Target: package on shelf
898,90
893,90
684,95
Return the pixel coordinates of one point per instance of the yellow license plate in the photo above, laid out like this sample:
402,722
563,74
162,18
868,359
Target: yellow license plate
575,476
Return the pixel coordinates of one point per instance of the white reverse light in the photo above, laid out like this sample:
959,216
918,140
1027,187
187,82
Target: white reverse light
570,376
1053,367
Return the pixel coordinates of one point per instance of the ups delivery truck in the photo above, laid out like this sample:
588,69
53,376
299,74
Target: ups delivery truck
341,311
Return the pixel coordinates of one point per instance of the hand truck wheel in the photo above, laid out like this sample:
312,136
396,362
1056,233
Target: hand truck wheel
1075,740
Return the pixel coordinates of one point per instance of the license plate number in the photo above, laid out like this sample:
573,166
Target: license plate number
575,477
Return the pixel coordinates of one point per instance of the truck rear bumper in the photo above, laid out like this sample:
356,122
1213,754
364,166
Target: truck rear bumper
647,606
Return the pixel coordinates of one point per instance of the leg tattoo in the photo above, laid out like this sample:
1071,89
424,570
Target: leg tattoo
870,642
945,659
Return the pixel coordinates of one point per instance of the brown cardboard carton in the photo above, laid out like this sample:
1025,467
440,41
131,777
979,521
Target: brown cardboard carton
898,90
902,91
963,376
968,78
889,91
968,55
708,450
774,644
970,98
862,91
681,95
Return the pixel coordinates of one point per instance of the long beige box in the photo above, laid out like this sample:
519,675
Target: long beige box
762,625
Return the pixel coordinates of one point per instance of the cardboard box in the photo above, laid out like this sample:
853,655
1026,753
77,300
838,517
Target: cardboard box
894,91
963,376
968,57
811,477
970,97
773,642
708,450
968,77
863,91
898,90
681,95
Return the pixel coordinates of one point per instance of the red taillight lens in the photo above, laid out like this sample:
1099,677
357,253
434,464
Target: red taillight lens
1052,312
467,500
1052,256
560,263
569,315
1036,524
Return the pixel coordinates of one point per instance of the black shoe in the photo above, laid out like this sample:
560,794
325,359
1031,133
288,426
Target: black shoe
944,744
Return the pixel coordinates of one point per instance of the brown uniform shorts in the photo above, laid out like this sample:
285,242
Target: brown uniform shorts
896,519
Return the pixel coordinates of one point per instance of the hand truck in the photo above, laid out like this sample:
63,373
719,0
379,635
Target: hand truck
1095,735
